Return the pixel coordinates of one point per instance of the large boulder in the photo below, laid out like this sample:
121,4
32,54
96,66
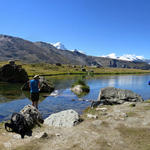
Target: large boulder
67,118
13,73
111,95
32,115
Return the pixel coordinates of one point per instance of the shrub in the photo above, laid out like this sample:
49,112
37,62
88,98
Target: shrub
79,82
58,64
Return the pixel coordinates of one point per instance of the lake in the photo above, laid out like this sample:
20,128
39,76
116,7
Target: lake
12,99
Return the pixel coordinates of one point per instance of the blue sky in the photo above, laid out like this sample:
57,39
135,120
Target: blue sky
97,27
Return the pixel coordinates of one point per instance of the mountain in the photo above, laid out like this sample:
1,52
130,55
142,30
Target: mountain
59,45
33,52
126,57
147,60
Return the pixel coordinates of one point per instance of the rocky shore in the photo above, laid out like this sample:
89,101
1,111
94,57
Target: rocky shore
125,126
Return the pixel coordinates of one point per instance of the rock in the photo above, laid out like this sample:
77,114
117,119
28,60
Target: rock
80,89
32,115
67,118
103,109
111,95
44,135
54,93
44,87
13,73
58,134
95,104
77,89
41,135
92,116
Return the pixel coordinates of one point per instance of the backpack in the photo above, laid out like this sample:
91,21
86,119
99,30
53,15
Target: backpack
17,124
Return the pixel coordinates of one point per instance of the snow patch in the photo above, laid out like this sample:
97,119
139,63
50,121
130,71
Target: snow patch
59,45
126,57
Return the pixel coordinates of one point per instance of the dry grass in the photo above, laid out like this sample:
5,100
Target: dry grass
50,69
131,114
136,138
33,145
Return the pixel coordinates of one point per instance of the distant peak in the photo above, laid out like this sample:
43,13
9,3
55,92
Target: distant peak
126,57
78,51
59,45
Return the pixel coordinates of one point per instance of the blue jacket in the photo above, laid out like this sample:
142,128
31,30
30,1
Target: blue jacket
34,86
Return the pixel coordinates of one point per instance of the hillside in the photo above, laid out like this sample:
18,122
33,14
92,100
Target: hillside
34,52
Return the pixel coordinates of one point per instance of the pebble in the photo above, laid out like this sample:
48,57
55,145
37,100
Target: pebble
58,134
102,109
45,135
92,116
39,135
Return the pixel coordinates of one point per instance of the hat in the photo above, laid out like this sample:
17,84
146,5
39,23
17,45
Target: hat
36,77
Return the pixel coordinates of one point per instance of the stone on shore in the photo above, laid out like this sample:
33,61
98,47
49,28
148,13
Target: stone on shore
111,95
92,116
32,115
67,118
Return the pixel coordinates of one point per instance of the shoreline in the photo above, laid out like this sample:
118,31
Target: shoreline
128,73
122,126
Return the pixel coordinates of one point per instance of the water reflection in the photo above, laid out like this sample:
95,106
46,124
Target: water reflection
12,99
9,92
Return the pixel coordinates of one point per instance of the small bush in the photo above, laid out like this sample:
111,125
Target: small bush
79,82
58,64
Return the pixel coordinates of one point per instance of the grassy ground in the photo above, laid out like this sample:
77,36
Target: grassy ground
51,69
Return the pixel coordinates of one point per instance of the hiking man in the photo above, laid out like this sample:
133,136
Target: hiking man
34,90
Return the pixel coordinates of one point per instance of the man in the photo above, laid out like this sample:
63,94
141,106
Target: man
34,90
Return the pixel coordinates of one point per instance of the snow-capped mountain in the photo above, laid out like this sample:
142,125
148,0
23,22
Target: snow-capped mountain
59,45
126,57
